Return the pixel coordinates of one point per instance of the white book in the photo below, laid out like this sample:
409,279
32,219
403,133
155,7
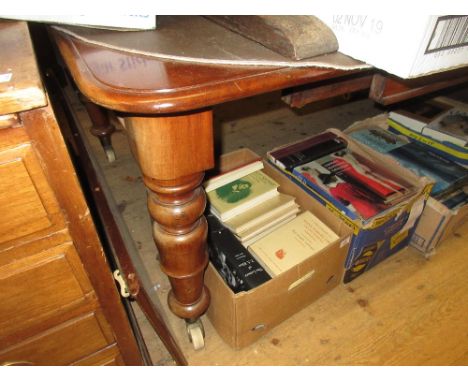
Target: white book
261,228
407,122
266,211
452,126
248,242
292,243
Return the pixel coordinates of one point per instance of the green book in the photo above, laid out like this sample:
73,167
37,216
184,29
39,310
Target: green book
240,195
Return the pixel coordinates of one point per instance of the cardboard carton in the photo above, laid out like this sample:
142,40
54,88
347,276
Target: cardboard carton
405,44
437,222
378,237
242,318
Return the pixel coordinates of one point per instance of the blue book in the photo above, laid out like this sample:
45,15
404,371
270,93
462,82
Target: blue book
416,157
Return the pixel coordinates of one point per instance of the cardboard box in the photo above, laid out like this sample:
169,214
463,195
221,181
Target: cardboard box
436,224
242,318
384,234
405,44
437,221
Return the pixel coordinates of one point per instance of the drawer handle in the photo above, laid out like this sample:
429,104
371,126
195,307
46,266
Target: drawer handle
18,363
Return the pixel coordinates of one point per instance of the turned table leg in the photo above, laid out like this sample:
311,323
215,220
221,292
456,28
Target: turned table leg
101,127
173,152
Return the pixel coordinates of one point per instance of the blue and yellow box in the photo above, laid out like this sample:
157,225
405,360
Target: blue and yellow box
446,209
376,238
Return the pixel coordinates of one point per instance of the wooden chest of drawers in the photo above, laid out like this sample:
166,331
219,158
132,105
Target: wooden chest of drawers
58,301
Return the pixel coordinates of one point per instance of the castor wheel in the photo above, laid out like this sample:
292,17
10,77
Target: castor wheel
110,154
196,334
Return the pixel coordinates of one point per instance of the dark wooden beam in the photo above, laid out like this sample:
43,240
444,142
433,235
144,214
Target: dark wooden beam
387,90
327,89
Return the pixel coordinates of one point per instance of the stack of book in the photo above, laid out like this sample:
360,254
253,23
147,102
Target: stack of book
249,203
326,163
292,243
441,124
257,232
451,179
236,265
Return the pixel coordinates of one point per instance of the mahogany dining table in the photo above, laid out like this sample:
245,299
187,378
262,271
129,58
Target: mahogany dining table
167,106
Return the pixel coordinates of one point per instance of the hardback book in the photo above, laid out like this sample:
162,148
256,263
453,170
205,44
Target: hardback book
447,174
233,174
254,233
435,119
235,264
260,214
242,194
292,155
292,243
362,189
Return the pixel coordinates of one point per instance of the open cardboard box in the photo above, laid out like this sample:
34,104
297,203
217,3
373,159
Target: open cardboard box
437,221
380,236
242,318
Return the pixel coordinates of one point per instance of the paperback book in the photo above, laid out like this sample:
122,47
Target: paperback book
417,115
242,194
435,119
452,126
448,175
292,243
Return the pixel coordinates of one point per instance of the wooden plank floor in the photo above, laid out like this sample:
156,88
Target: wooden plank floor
407,311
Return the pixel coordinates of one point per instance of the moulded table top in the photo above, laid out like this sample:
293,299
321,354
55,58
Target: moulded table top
136,83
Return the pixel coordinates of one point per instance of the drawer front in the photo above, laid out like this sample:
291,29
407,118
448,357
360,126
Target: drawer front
37,287
28,206
106,357
63,344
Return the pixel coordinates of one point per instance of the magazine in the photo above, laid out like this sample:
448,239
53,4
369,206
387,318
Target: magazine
360,188
447,174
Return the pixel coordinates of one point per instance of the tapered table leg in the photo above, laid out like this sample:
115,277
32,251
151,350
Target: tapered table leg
173,152
101,127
